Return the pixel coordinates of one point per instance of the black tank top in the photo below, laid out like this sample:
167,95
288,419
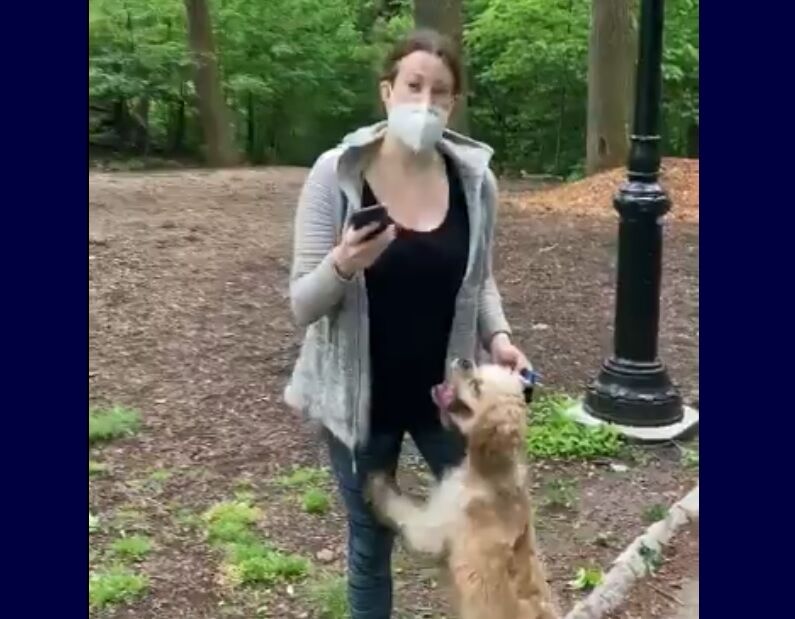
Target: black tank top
411,291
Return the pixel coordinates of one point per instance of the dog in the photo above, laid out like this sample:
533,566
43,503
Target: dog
478,519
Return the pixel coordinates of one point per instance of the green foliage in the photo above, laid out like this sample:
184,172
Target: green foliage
96,468
114,423
160,476
654,513
680,73
586,579
690,457
529,60
132,548
113,586
303,478
552,434
230,525
529,63
249,563
328,597
231,521
652,558
315,501
299,74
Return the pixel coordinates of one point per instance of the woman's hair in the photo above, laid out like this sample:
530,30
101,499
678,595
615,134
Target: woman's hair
424,40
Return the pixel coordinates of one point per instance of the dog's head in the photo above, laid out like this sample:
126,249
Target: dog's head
486,404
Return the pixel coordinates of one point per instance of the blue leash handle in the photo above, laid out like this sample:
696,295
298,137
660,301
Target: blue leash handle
530,379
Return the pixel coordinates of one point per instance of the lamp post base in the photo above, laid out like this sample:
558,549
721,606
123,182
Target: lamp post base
634,393
685,429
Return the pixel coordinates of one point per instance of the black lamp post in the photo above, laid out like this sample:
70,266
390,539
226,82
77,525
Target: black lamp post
633,387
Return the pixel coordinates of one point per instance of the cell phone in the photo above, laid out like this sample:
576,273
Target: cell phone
368,215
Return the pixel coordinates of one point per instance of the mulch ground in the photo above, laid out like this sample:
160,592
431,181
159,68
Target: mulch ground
189,323
593,196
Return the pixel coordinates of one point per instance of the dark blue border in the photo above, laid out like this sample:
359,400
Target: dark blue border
747,243
747,256
45,303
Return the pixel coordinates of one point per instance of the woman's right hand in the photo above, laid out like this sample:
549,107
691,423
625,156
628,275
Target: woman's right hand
354,254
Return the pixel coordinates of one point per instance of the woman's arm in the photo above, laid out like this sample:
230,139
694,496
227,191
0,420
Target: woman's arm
316,287
491,317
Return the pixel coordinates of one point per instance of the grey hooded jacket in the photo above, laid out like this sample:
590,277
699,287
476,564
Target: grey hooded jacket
331,379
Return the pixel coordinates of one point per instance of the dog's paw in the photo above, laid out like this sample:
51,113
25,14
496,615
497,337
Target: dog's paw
379,490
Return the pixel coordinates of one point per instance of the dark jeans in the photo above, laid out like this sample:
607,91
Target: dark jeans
370,543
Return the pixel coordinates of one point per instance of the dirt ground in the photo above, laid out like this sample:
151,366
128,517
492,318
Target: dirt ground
665,594
189,323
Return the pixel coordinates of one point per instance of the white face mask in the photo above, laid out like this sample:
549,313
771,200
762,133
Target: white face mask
417,125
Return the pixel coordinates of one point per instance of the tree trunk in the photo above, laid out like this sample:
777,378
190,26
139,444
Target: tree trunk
446,17
611,77
178,141
141,117
250,127
121,121
692,140
213,113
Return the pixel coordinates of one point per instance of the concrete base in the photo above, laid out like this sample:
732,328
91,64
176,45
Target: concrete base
686,428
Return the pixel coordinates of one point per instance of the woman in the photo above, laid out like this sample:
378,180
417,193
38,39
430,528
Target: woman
384,316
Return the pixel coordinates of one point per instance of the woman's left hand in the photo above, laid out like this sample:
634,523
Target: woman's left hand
506,354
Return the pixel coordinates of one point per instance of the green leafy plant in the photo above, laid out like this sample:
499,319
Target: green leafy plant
315,501
96,468
160,476
303,477
655,513
652,558
104,425
328,597
248,560
586,579
132,547
231,521
689,458
118,584
553,434
254,562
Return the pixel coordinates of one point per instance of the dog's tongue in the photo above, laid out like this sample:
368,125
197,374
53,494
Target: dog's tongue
442,396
